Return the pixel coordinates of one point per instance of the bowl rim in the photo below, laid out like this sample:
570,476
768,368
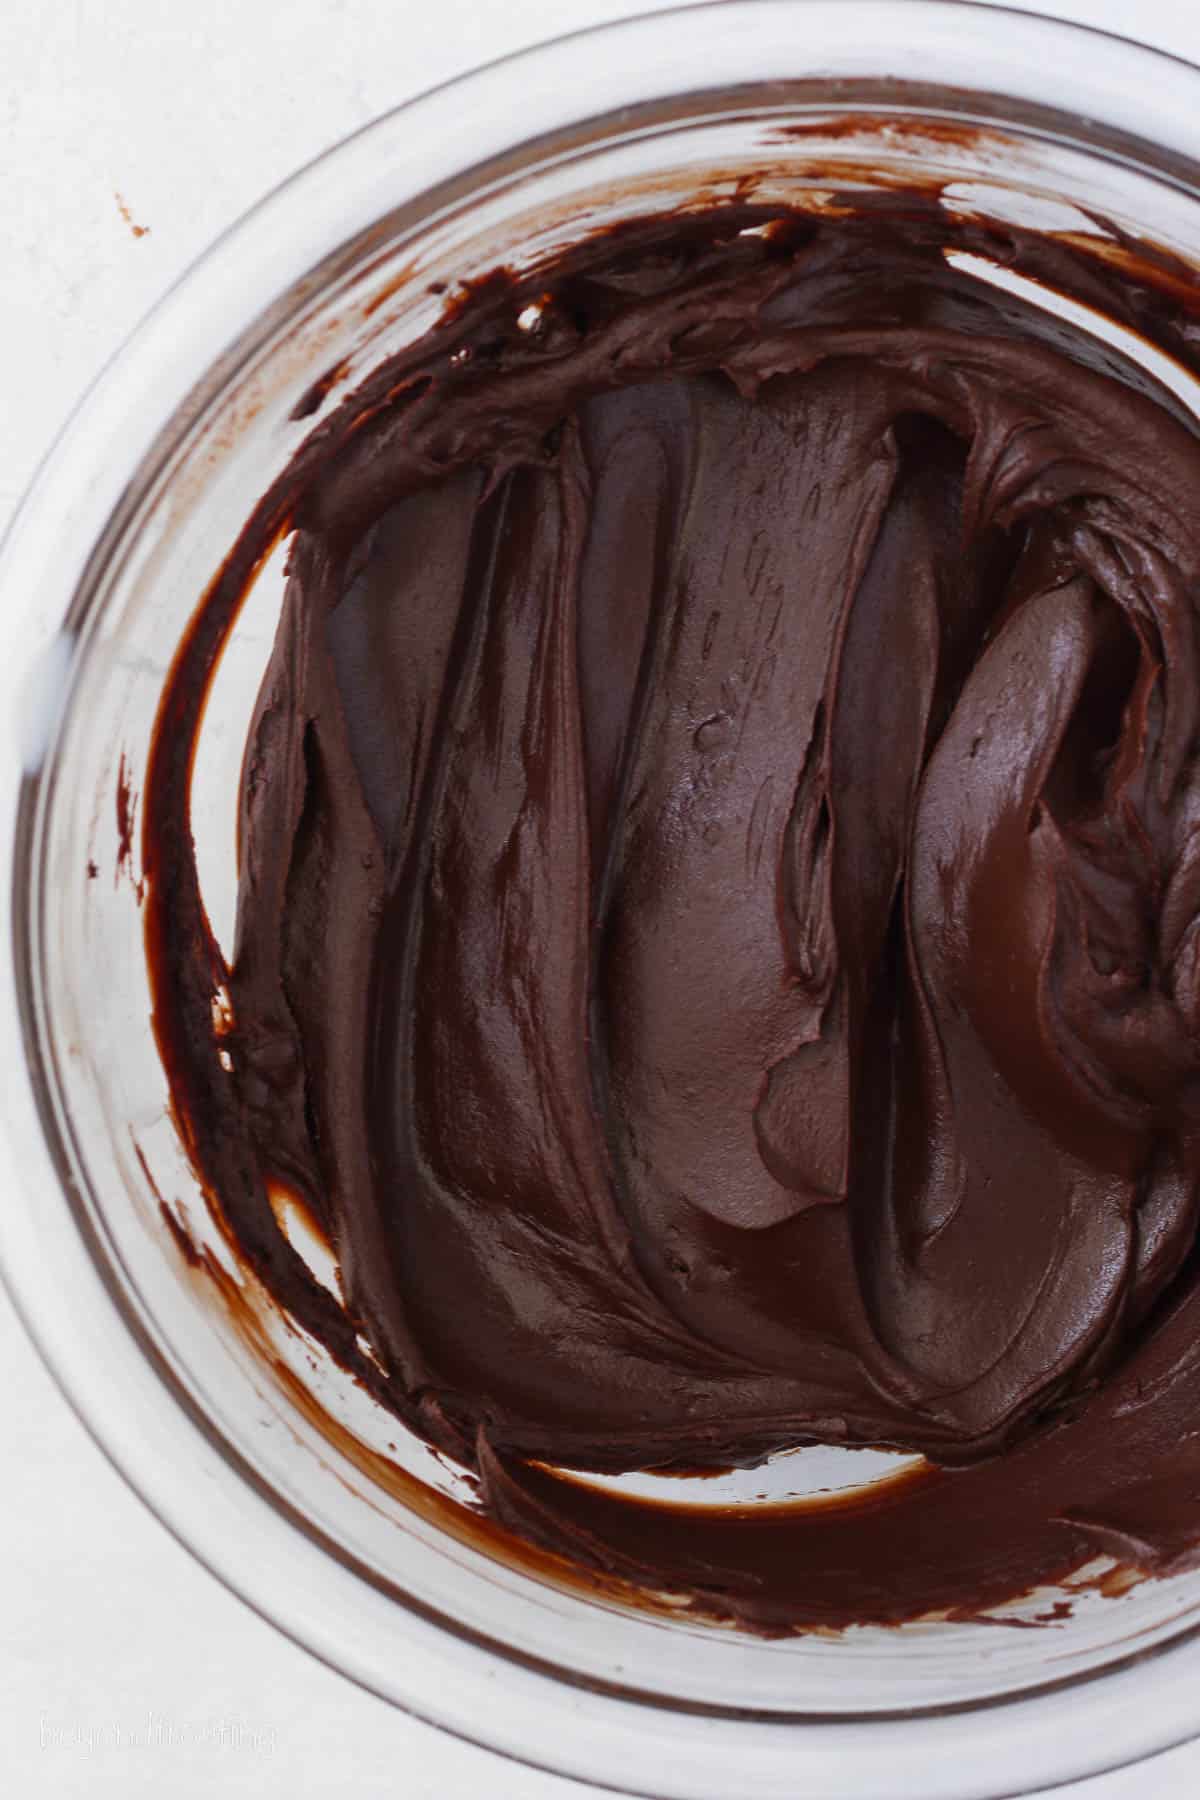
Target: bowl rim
58,558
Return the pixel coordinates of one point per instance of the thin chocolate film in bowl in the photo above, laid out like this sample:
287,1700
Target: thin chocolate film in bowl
716,945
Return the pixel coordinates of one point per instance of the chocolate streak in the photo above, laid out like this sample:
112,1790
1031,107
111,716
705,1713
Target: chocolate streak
719,927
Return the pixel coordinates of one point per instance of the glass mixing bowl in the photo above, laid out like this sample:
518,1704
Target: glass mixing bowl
256,1451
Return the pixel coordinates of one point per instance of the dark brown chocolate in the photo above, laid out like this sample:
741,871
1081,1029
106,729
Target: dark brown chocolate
719,926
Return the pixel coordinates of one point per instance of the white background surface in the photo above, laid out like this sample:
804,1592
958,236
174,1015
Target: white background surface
125,1669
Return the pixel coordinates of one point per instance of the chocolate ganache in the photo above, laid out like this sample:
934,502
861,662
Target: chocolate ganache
718,942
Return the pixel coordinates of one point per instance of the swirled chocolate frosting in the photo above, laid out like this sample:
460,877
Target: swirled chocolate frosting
718,941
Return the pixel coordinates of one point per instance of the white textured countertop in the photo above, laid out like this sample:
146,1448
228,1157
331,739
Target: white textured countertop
125,1669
